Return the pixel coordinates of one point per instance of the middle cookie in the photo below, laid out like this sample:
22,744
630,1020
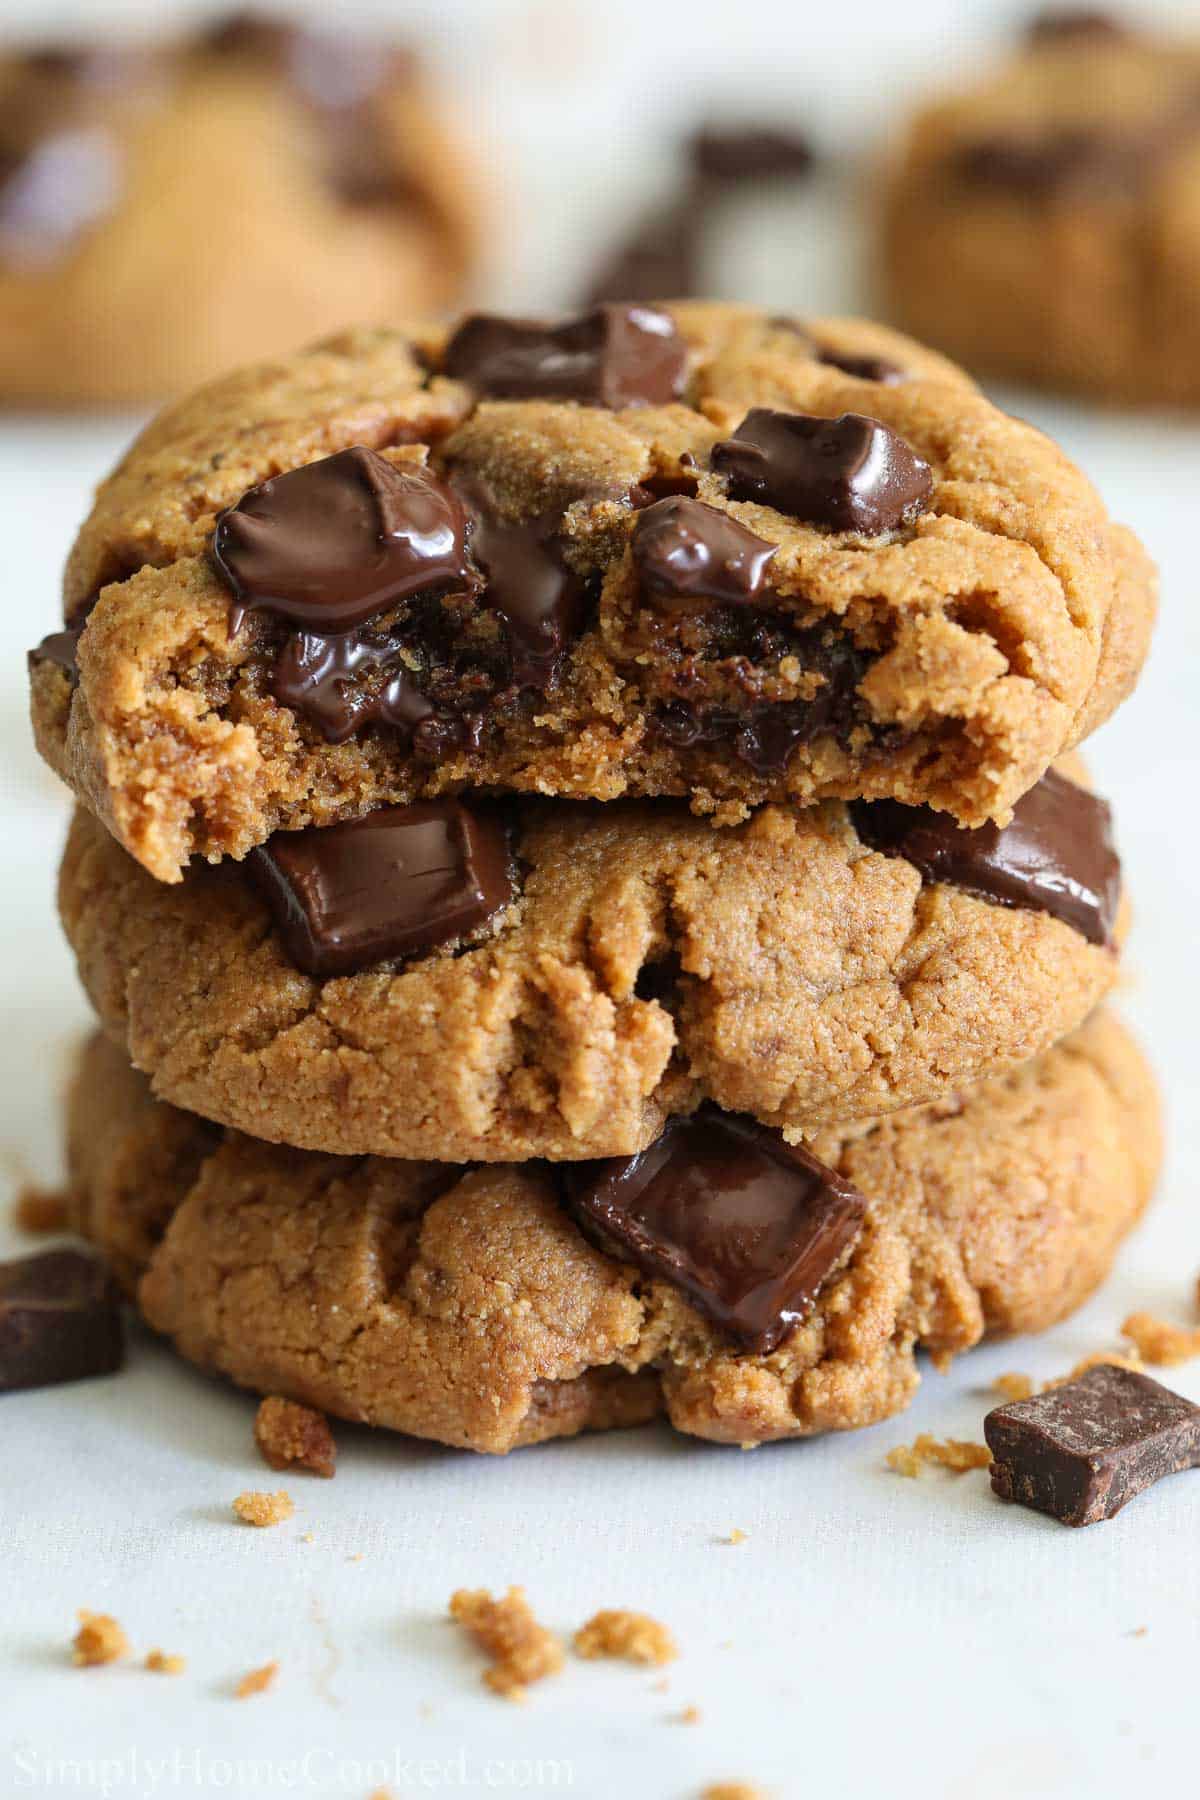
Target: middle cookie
577,974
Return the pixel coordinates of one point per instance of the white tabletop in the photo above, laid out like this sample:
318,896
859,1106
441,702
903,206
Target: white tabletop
871,1635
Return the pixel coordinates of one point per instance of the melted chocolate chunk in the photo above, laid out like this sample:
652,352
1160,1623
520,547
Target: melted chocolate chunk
764,734
752,153
1058,26
531,587
60,1320
1057,855
748,1227
847,474
864,368
322,679
399,882
1082,1451
614,356
685,551
337,542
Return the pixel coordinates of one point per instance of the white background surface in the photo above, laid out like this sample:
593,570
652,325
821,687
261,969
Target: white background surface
872,1635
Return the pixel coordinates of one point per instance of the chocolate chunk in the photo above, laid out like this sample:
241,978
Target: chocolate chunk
751,153
748,1227
1082,1451
1042,167
1056,856
613,356
248,33
337,542
322,679
60,1320
394,884
528,582
864,368
847,474
1059,25
660,259
60,648
685,551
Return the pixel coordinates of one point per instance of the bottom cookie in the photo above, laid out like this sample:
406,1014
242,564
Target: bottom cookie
465,1305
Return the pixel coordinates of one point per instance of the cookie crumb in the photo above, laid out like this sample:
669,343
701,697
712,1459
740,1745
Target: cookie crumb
257,1681
254,1508
632,1635
735,1537
41,1210
1014,1387
1159,1342
308,1538
99,1640
732,1790
689,1716
947,1453
522,1650
289,1435
159,1663
1139,1631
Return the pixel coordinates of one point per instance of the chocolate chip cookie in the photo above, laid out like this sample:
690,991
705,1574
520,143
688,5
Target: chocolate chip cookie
687,551
499,1306
168,212
469,980
1044,223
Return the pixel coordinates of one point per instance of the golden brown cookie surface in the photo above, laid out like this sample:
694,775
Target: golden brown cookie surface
970,626
647,962
467,1306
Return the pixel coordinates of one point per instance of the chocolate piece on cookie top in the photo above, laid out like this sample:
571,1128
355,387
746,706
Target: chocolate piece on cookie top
1082,1450
528,583
1057,855
395,883
847,474
614,356
685,551
748,1227
60,1320
336,542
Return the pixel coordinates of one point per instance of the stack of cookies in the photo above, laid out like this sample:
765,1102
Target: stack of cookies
581,873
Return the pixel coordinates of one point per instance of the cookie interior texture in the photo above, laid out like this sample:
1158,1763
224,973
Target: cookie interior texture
160,205
778,968
946,659
1042,224
465,1305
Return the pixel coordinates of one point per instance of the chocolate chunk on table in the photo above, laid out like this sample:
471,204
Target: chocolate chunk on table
847,474
1056,855
747,1226
400,881
60,1320
749,153
1082,1451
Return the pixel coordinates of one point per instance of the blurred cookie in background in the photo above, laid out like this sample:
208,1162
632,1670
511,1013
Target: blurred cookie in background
170,210
1045,224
